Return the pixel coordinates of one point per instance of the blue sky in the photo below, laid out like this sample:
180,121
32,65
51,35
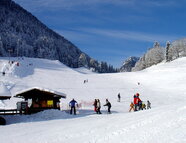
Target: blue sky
112,30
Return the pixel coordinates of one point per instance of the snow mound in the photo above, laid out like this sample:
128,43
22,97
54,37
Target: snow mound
40,116
84,70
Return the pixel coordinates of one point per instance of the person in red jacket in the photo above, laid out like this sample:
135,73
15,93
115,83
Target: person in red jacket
137,102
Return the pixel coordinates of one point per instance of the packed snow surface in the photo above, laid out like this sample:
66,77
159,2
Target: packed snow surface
163,85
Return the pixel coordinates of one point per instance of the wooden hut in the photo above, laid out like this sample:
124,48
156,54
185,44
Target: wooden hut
39,99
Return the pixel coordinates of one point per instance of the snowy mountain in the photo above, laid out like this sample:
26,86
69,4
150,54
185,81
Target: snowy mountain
161,84
129,64
22,34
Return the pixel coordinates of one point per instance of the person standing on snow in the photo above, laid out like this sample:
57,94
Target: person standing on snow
148,104
139,101
98,105
140,104
73,104
95,105
109,105
143,106
135,103
119,97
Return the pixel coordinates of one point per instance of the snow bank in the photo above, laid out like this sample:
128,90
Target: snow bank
41,116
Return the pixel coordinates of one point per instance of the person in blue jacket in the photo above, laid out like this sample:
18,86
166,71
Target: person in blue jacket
73,104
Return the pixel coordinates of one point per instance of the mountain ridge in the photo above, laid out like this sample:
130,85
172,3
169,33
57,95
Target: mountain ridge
22,34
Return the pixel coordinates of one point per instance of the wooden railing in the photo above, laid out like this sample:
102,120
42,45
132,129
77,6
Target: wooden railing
28,111
9,112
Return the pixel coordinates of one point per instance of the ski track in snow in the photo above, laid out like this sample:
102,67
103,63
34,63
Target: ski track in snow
161,84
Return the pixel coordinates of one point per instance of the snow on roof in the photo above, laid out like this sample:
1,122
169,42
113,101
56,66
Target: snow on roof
41,89
4,92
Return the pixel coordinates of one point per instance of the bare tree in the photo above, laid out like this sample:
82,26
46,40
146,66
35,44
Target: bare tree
167,56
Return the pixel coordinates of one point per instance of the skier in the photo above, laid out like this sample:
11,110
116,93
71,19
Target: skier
140,104
143,106
95,105
131,107
148,104
109,105
3,73
139,101
135,103
73,104
119,97
98,107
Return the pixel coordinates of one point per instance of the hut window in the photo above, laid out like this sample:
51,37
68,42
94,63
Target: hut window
50,103
29,102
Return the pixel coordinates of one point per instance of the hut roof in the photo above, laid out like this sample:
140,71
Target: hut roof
4,92
38,91
4,97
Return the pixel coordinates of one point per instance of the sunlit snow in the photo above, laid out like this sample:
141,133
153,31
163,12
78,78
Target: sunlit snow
164,85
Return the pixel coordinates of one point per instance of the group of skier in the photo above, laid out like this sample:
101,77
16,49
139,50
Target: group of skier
136,105
97,106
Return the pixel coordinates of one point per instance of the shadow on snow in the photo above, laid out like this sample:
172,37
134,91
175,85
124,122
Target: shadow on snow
49,115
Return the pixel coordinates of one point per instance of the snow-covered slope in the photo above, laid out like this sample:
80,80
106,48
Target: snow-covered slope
163,85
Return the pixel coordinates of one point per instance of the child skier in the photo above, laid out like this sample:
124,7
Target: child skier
148,104
143,106
131,107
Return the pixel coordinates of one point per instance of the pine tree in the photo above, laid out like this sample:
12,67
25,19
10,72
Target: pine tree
1,48
167,51
83,61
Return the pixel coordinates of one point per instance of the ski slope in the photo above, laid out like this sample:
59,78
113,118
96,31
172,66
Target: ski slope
163,85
